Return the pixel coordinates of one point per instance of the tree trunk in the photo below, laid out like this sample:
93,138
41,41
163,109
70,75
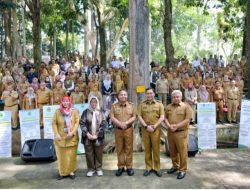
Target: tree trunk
139,48
1,35
54,42
16,40
248,45
23,29
167,27
97,34
7,28
36,29
124,25
244,48
198,39
86,40
72,33
102,38
67,37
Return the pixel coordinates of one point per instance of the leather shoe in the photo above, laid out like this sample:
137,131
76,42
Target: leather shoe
130,172
158,173
181,175
119,172
72,176
172,170
235,122
147,173
59,177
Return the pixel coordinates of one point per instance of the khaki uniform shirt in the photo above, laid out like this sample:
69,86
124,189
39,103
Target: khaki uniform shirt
44,96
175,84
93,86
226,85
178,113
151,111
162,86
11,99
77,98
197,82
218,94
118,85
57,95
58,127
123,112
233,93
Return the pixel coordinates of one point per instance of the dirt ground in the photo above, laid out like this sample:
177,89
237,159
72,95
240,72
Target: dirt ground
223,168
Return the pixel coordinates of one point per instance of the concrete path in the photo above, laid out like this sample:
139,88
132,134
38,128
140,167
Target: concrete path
224,168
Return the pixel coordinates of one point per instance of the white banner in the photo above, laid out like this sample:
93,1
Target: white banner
5,134
80,108
48,113
206,116
244,133
29,125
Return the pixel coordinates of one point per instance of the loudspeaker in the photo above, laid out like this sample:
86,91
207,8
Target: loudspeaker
192,146
38,150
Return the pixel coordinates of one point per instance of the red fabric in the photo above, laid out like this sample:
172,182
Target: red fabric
64,110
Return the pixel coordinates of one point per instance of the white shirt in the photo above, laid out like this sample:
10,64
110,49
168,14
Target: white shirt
196,63
115,64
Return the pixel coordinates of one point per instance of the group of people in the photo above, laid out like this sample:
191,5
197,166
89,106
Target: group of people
207,80
151,114
65,83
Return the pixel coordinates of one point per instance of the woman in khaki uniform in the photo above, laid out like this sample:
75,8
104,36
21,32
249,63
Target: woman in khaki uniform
29,100
65,124
10,98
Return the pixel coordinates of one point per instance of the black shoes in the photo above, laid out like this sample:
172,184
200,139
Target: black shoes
147,173
60,177
72,176
130,172
158,173
235,122
172,170
181,175
119,172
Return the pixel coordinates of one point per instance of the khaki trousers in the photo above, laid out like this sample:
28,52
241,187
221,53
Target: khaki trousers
178,147
124,147
232,109
219,110
151,143
40,106
163,98
94,157
14,114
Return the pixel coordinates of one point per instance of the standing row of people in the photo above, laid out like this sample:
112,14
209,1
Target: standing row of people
123,115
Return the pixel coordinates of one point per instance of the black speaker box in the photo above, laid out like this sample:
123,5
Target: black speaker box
38,150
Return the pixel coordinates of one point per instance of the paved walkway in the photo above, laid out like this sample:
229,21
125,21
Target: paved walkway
224,168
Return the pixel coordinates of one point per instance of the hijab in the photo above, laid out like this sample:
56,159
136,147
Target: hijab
66,112
94,122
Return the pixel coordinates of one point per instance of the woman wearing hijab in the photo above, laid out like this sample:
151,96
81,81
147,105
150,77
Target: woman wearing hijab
203,95
65,124
92,124
107,89
29,100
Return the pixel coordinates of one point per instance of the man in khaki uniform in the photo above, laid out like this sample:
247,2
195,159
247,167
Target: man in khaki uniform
151,114
58,93
232,100
178,115
77,97
10,98
218,96
44,97
175,83
162,89
123,115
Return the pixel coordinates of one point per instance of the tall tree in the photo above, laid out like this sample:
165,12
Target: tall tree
35,10
7,27
139,48
167,27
